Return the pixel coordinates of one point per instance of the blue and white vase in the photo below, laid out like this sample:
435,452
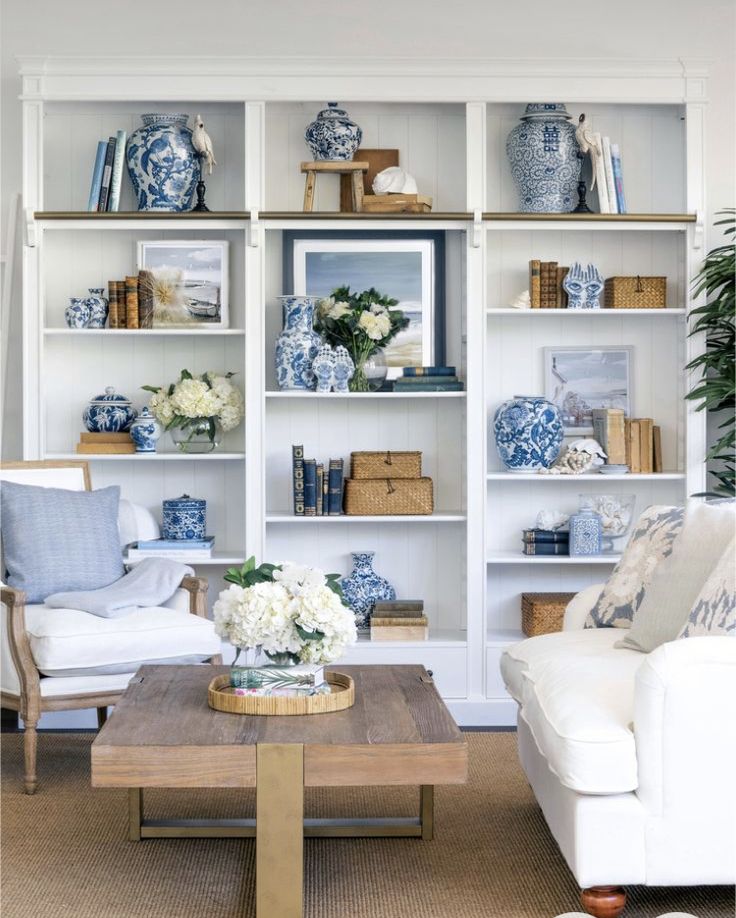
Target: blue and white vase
298,344
363,588
586,531
78,313
543,154
98,307
332,135
145,431
109,413
529,432
184,518
162,163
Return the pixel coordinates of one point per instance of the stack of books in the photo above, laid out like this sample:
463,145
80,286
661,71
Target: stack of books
107,175
609,179
399,620
545,542
429,379
279,681
183,550
632,442
545,285
131,301
107,443
316,492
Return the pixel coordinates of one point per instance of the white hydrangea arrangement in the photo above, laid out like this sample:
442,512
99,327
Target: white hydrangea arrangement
192,401
293,613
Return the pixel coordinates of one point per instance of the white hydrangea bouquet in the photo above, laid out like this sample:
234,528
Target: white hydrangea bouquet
362,322
197,409
292,613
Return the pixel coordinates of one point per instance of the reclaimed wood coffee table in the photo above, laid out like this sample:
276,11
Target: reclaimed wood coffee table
163,734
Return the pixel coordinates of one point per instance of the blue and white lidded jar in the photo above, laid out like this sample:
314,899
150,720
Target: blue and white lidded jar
363,588
184,518
162,163
586,531
332,135
145,431
529,433
109,413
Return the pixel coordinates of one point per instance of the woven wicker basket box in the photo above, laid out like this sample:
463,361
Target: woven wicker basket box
388,497
635,292
542,613
386,464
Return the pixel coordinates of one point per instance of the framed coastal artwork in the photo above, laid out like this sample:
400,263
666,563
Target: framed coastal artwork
408,268
189,281
579,379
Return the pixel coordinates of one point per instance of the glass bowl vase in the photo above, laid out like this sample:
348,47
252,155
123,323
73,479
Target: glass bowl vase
617,516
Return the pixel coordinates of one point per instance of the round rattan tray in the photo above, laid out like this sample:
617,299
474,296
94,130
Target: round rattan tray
221,697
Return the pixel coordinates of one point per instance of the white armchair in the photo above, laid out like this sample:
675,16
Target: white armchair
63,659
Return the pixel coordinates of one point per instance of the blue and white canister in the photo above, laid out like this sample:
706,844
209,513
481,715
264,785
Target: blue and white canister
184,518
162,163
109,412
332,135
528,431
145,431
586,532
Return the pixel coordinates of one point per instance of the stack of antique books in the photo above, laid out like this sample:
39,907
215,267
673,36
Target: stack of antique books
429,379
546,542
317,490
399,620
632,442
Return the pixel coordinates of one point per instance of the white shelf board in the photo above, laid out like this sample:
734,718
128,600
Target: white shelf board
437,636
135,221
140,332
218,559
588,313
381,396
440,517
587,226
516,557
147,457
502,636
586,476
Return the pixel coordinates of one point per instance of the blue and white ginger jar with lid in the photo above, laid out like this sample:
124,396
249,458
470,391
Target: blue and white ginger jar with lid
109,413
298,344
543,154
529,432
162,163
145,431
363,588
332,135
184,518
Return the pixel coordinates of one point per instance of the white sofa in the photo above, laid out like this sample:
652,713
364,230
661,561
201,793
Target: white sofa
631,756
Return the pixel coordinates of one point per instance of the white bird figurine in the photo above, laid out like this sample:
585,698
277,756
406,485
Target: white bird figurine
202,143
587,143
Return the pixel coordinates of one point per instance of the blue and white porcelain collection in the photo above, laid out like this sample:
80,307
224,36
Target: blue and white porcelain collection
363,588
298,344
529,432
184,518
332,135
162,162
109,412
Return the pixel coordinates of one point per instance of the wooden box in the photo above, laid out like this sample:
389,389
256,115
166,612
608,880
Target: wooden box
385,464
399,633
542,613
635,292
397,203
388,497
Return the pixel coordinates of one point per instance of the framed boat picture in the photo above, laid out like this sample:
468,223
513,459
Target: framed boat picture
189,281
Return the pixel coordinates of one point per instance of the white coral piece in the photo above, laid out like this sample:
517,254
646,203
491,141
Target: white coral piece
551,519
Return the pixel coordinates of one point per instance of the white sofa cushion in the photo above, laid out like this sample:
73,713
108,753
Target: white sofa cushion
67,642
577,696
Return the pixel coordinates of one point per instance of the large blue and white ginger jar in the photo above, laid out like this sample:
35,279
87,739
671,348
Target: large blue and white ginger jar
543,154
363,588
298,343
184,518
529,432
162,163
332,135
109,413
145,432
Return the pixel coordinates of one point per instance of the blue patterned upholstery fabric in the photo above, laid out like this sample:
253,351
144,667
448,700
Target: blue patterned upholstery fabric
714,611
56,540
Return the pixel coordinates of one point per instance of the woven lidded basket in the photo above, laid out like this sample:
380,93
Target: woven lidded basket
385,465
636,292
388,497
542,613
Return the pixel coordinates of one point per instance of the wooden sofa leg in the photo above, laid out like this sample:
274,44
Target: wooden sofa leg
101,717
30,738
603,901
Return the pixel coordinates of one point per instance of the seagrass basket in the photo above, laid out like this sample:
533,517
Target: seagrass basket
386,464
635,292
388,496
542,613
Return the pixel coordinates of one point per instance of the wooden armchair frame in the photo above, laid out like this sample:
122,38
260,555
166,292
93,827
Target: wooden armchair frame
30,703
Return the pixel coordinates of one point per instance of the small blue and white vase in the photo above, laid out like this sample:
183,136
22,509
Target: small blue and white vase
145,431
543,154
109,413
163,165
184,518
78,313
529,432
298,344
363,588
332,135
98,307
586,531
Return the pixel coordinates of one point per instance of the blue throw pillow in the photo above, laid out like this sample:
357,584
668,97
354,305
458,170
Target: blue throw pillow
56,540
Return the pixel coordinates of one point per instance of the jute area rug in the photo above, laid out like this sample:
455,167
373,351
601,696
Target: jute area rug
65,852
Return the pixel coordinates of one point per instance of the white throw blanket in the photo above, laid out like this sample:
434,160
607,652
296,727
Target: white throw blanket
151,583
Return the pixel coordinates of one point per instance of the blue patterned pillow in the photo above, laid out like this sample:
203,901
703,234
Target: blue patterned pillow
56,540
714,611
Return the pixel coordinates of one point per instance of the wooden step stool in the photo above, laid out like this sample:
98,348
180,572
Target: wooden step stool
335,167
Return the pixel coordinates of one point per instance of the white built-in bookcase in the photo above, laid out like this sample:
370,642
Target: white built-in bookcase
449,122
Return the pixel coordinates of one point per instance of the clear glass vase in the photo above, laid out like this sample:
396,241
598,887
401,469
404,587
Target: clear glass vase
200,435
370,372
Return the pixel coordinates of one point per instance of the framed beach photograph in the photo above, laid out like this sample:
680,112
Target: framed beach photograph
579,379
407,268
189,281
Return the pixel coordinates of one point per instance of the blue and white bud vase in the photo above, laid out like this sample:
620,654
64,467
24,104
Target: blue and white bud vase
162,163
145,431
529,432
298,344
586,531
363,588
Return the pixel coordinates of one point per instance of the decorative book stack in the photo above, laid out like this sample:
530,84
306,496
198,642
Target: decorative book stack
109,443
545,285
107,174
399,620
279,681
545,542
183,550
131,301
643,445
429,379
316,491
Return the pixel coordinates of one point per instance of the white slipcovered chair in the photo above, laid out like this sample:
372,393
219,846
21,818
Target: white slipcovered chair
63,659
